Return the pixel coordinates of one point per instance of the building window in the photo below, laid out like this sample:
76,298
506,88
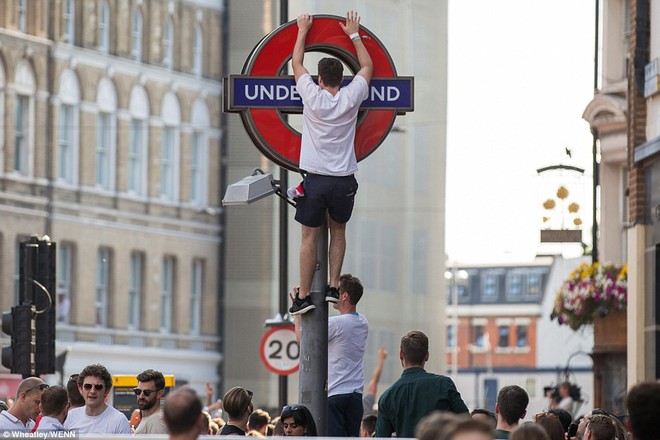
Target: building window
22,12
21,119
196,286
167,294
135,283
168,44
514,286
534,285
389,258
103,150
169,165
136,159
137,34
197,52
64,265
198,170
103,267
69,20
419,267
451,336
104,27
65,145
479,336
521,331
503,336
490,288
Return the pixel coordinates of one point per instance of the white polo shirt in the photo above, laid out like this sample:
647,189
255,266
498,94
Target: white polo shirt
8,422
328,133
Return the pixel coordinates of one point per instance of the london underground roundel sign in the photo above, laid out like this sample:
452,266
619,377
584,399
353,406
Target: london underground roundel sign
262,94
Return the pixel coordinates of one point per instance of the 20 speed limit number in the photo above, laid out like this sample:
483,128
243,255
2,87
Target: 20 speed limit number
280,351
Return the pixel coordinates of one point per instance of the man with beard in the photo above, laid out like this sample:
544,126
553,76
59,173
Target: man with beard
96,417
149,392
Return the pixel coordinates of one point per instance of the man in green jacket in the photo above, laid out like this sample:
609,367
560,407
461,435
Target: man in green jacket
416,393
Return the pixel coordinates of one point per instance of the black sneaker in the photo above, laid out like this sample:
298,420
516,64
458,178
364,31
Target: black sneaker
301,306
331,294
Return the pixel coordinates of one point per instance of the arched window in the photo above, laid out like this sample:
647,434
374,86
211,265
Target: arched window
169,159
137,34
199,159
106,135
168,44
67,128
23,139
104,27
197,51
137,142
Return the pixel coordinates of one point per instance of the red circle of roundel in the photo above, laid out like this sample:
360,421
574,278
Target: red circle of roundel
274,137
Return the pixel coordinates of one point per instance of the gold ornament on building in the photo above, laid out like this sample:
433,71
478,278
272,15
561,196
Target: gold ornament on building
577,221
562,192
549,204
545,219
573,207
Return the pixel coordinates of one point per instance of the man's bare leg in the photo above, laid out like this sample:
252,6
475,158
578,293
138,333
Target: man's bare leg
337,250
310,237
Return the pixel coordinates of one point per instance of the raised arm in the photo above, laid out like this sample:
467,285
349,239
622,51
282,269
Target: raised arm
351,29
372,387
304,23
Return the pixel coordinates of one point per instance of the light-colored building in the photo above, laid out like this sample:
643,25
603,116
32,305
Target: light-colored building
625,114
396,235
110,143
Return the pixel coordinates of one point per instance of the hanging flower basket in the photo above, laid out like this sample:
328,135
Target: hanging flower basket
591,291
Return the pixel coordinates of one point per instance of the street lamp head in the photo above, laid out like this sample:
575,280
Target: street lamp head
249,189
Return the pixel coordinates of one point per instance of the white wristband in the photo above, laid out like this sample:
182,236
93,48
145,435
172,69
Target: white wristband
354,36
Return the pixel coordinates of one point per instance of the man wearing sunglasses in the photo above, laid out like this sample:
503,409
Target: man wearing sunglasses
149,392
21,416
96,417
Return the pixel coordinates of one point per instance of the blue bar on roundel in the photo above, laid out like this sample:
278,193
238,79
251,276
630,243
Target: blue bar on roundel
280,92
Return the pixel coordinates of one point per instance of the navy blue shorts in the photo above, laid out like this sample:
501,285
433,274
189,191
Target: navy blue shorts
334,195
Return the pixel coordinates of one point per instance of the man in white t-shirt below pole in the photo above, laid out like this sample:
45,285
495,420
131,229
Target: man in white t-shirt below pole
327,155
347,341
96,417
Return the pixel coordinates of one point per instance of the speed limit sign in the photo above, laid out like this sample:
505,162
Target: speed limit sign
279,350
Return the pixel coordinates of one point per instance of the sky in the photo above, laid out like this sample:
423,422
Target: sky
520,76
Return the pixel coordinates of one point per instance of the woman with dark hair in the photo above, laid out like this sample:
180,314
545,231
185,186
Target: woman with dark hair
298,421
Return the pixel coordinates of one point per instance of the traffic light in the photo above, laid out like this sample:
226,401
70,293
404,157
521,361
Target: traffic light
19,357
31,324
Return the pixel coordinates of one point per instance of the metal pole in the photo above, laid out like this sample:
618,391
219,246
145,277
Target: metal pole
454,299
594,150
284,241
314,342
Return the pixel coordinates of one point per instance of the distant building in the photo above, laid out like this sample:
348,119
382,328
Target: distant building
110,144
501,333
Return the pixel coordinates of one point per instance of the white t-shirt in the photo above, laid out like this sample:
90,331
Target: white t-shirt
347,341
328,133
110,421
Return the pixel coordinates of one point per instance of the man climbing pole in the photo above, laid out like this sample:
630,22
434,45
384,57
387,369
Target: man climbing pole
327,155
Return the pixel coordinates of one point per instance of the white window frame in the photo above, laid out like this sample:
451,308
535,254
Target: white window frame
65,144
103,150
198,170
25,89
138,143
169,164
103,276
167,294
196,292
69,15
197,51
64,282
136,30
135,290
21,10
168,44
21,135
104,27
